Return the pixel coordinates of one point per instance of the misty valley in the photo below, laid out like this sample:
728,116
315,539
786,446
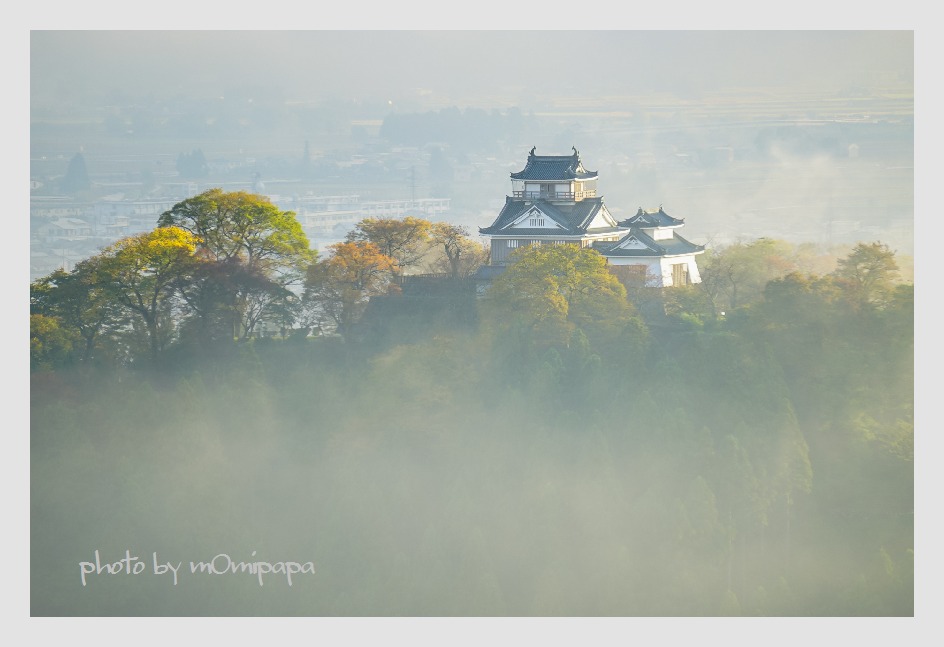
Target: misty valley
593,447
299,348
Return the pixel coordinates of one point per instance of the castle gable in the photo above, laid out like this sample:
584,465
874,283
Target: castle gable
534,218
601,219
632,242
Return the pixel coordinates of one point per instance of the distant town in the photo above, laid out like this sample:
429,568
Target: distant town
737,166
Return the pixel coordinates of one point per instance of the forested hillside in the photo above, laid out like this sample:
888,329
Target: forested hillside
563,452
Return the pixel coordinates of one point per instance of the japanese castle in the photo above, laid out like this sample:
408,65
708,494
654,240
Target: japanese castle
554,201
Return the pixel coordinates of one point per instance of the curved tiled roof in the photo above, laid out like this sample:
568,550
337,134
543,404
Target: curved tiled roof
668,247
650,219
554,167
574,218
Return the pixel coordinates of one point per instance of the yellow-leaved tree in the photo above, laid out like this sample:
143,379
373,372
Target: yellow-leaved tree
549,291
140,273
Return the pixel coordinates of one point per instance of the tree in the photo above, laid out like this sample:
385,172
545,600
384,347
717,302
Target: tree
78,302
550,290
242,225
140,273
261,250
50,343
193,165
735,275
404,240
868,273
76,178
338,288
461,255
229,299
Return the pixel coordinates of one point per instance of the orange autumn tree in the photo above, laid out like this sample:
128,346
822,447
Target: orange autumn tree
338,288
404,240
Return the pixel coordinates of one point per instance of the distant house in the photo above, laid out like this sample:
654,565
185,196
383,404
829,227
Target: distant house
554,201
64,229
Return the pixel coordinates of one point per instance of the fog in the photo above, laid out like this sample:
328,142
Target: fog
442,479
87,68
715,475
806,136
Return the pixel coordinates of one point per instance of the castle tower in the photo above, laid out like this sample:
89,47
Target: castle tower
554,201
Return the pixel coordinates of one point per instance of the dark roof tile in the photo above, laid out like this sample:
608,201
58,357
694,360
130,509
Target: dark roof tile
650,219
574,218
554,167
668,247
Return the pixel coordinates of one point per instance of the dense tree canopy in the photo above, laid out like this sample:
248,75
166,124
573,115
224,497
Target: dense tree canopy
404,240
457,253
561,458
735,275
242,225
551,290
338,288
869,271
79,301
259,252
140,273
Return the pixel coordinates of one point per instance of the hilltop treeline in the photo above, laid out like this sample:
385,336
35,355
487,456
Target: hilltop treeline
223,267
564,452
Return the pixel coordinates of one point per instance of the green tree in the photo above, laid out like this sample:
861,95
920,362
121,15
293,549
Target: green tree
548,291
50,343
735,275
80,303
261,252
868,273
242,225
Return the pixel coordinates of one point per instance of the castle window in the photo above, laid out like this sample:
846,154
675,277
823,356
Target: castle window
536,222
680,274
512,244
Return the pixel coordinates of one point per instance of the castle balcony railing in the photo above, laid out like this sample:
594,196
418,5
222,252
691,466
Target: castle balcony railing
554,195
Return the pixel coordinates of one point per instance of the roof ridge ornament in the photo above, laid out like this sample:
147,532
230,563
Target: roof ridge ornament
531,154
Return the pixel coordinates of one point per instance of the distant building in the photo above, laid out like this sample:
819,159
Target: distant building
554,201
64,229
332,217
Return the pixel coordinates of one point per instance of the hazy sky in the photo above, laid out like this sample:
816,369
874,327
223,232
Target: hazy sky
101,66
172,62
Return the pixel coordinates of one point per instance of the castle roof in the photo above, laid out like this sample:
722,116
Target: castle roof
650,219
572,219
639,243
554,167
